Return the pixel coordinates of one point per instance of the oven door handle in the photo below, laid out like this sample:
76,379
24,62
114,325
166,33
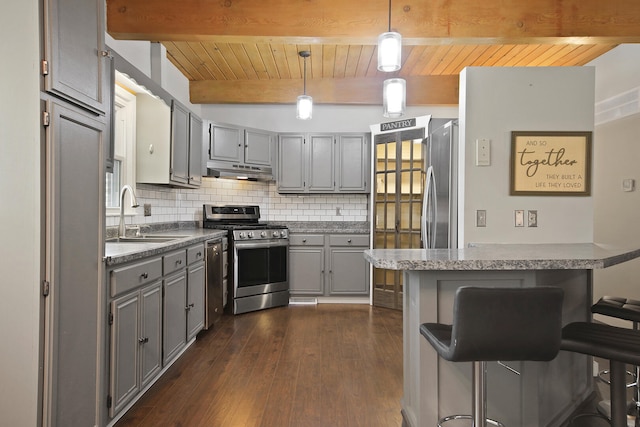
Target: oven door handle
261,244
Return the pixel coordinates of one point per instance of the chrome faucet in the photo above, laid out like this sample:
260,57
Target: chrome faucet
134,204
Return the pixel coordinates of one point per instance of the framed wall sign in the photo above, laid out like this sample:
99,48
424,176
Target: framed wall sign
550,163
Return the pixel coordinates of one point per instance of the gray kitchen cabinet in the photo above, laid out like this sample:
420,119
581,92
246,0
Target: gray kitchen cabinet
353,163
195,290
240,145
175,304
328,265
291,163
195,150
73,182
180,125
306,264
168,143
136,343
323,163
75,61
348,270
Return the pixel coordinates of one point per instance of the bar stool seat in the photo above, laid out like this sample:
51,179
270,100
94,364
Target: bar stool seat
497,324
625,309
619,345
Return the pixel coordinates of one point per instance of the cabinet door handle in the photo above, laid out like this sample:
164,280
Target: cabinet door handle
179,262
189,307
145,275
304,240
143,340
199,254
349,241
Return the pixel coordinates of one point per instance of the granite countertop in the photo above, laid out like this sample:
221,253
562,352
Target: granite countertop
347,227
504,257
121,252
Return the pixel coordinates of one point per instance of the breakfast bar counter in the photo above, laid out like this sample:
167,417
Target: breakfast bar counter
526,394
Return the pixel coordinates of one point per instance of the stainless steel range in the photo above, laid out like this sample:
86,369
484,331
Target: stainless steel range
259,257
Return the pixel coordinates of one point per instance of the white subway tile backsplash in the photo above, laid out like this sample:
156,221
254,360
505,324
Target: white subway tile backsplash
175,204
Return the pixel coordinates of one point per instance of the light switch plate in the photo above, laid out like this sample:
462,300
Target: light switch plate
483,152
481,218
520,218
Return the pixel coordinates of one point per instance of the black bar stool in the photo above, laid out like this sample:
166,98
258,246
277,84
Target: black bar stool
497,324
625,309
618,345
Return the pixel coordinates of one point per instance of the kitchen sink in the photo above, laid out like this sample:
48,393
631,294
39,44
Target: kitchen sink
146,238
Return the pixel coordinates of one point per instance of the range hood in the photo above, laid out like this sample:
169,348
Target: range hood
236,171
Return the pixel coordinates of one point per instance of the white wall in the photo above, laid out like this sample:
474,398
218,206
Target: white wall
496,101
20,213
617,157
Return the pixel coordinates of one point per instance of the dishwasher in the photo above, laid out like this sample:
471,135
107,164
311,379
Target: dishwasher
216,280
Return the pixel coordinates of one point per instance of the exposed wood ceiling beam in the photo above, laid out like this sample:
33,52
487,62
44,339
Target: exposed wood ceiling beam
360,21
426,90
245,51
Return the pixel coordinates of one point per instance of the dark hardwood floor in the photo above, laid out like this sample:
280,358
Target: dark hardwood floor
313,366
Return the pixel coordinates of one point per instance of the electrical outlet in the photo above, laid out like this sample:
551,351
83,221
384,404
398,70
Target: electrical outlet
147,209
519,218
532,218
481,218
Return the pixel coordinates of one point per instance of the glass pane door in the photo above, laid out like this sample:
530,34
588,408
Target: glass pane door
399,178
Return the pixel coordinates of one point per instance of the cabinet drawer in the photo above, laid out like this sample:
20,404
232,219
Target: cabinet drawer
306,239
174,261
195,253
349,240
130,277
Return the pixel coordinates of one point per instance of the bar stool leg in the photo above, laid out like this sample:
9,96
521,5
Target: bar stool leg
618,394
479,379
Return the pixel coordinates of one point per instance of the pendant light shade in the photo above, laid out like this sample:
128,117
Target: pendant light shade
304,105
394,97
389,51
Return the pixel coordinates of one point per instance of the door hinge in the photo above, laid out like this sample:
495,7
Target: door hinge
109,401
45,67
46,118
110,318
46,288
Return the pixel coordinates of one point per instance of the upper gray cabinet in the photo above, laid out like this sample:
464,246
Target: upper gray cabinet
168,143
240,146
323,163
75,61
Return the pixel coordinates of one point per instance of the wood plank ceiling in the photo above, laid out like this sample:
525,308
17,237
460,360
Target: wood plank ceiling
243,51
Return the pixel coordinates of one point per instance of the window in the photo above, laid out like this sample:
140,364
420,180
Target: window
124,149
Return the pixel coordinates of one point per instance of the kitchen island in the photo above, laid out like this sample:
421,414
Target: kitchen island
526,394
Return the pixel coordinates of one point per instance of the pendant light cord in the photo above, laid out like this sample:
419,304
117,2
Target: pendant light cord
389,15
304,81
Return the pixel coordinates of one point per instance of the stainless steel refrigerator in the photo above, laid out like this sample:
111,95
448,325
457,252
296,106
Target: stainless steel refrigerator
439,219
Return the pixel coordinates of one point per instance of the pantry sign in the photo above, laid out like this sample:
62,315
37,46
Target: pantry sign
550,163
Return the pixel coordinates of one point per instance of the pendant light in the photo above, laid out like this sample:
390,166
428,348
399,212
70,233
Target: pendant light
389,49
394,95
305,102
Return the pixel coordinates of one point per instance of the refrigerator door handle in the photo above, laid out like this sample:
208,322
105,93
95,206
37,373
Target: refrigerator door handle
429,211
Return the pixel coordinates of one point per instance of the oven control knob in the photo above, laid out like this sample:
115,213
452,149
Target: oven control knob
283,233
263,234
276,234
243,235
250,234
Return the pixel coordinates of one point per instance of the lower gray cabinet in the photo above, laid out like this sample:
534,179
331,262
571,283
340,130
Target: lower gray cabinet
306,264
195,290
348,270
328,265
136,343
156,307
175,315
